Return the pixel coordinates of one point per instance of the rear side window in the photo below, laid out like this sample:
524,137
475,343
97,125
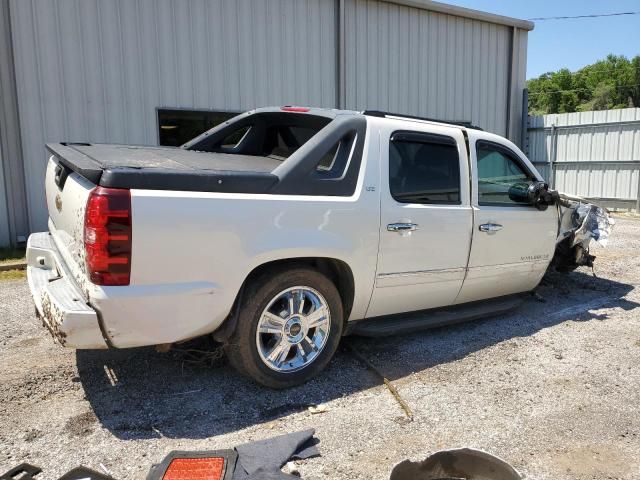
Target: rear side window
424,168
498,170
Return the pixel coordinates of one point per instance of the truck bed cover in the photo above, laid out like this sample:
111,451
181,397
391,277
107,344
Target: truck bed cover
166,168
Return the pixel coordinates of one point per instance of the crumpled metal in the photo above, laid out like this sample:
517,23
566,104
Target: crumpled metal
593,223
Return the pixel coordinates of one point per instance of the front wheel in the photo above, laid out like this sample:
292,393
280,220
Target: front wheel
289,326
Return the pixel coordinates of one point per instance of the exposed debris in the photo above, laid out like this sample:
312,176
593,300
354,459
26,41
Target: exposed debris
580,222
203,351
317,409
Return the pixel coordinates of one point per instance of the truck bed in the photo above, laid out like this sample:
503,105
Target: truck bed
166,168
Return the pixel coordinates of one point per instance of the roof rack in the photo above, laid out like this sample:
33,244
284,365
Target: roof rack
460,123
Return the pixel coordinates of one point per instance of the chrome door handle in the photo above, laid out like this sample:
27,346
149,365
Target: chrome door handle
490,227
402,227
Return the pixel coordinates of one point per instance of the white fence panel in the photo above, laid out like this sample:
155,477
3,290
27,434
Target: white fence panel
591,154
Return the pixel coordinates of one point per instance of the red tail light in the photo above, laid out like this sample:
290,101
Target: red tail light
107,236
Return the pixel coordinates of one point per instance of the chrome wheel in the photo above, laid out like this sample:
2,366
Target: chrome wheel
293,329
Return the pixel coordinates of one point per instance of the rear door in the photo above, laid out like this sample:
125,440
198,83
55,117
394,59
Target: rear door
426,217
513,243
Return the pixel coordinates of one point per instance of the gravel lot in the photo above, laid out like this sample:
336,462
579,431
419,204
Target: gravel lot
553,388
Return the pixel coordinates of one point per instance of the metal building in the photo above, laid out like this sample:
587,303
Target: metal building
142,71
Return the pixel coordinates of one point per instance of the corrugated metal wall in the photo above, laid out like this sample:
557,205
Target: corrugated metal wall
13,212
4,214
595,154
96,70
419,62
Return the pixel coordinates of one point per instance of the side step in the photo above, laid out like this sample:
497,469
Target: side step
425,319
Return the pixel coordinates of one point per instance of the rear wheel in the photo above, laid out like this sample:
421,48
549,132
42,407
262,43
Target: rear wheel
289,326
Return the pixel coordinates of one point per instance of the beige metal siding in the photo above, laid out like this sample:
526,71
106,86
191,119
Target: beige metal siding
598,153
408,60
96,70
14,223
4,216
518,84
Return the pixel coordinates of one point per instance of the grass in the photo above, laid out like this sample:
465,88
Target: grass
13,275
10,255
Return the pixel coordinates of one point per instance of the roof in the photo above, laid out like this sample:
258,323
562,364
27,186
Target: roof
465,12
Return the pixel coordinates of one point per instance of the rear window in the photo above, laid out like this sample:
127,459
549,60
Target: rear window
424,168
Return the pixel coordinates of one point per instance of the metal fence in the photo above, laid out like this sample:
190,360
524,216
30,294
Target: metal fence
591,154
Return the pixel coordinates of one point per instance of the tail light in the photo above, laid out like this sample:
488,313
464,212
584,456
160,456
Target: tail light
107,236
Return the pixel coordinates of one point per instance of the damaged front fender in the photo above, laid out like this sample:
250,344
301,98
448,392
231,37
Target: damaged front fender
579,223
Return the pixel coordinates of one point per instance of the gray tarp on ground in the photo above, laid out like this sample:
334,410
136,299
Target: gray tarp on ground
264,459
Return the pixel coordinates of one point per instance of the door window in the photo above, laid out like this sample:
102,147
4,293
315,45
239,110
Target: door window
424,168
499,171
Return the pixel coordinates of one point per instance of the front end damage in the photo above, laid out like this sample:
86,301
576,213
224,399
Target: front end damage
579,223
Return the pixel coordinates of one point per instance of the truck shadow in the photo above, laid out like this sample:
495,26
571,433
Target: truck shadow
138,393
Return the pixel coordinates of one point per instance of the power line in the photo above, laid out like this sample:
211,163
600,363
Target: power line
572,17
580,89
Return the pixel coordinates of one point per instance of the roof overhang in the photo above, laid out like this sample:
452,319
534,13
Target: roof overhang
465,12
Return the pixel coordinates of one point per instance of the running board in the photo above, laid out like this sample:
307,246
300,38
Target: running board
425,319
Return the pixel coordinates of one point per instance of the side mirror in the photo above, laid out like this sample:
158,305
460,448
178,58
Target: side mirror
519,193
536,194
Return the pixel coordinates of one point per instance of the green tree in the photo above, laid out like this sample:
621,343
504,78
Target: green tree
613,82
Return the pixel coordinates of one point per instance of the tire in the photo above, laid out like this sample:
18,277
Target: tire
289,350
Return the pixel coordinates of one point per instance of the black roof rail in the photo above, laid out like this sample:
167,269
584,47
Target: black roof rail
460,123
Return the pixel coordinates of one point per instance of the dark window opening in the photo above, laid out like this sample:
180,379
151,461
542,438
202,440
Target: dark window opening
424,168
275,135
176,127
233,139
498,171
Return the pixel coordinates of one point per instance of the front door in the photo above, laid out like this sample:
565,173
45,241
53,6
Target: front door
426,218
513,243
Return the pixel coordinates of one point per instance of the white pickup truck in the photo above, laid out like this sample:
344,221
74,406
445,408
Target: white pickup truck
284,229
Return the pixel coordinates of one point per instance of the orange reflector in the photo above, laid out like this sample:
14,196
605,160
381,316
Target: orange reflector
211,468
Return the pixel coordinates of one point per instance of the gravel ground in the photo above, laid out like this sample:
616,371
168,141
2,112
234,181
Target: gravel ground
553,388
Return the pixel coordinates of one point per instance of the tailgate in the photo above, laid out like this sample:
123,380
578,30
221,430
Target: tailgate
67,192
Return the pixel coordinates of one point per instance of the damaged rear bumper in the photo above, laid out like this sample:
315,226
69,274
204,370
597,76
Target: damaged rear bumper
59,302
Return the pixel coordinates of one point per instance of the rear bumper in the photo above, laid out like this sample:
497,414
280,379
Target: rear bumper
59,302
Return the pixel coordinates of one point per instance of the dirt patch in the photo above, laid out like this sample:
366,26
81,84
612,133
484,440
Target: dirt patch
81,425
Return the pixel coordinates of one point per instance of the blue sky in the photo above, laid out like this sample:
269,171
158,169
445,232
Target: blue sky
555,44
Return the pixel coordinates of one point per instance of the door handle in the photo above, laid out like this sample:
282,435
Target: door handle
402,227
490,227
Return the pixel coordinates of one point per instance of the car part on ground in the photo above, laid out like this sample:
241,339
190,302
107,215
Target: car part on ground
26,471
456,464
579,223
259,460
209,465
84,473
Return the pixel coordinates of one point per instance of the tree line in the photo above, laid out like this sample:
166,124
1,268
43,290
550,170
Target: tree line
606,84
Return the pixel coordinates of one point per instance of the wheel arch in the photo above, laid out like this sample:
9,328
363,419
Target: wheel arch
338,271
